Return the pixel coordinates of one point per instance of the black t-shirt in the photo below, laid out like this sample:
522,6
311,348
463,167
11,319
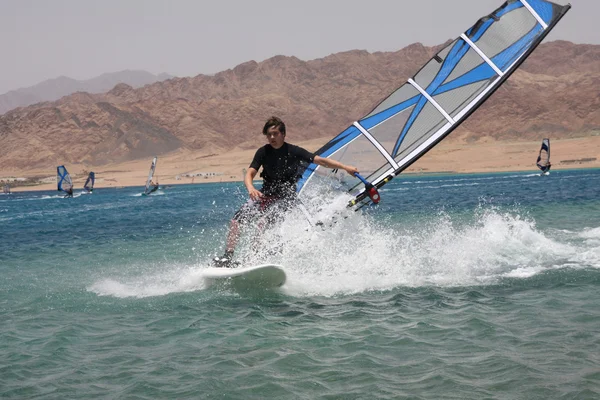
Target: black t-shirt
280,168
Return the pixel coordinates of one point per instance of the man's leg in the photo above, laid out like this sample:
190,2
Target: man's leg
273,211
242,216
233,236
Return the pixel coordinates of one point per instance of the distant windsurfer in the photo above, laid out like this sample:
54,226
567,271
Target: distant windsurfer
69,193
543,160
153,187
280,162
88,186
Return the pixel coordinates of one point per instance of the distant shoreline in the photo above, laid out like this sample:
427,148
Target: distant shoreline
37,188
449,157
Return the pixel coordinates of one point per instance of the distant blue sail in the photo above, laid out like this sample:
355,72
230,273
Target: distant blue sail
63,179
435,101
89,182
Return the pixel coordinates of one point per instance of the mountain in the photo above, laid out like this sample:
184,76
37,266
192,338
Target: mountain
54,89
555,93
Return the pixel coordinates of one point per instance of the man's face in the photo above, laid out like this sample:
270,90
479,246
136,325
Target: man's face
274,137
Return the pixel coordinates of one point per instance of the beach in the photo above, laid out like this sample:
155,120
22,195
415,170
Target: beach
450,156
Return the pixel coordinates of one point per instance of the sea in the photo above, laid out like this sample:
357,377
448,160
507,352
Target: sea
471,286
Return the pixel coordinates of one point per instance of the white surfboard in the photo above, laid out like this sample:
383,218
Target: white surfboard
267,276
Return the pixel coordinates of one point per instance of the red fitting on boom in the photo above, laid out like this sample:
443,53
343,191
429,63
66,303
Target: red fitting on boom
374,195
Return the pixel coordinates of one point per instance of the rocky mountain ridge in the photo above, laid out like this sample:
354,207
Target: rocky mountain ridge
555,93
54,89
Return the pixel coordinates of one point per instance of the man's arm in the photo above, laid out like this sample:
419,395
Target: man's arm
250,174
329,163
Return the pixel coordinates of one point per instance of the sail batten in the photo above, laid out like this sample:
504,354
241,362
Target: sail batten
535,14
432,101
482,54
443,93
383,152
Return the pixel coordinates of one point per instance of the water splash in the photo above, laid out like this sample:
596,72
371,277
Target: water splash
360,252
174,279
357,252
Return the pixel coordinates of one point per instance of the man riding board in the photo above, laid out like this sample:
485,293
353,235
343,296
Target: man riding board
280,162
153,186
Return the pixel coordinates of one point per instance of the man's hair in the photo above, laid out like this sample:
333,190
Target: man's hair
274,122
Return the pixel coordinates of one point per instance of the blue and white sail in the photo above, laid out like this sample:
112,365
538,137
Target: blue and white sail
88,186
543,160
64,181
149,186
435,101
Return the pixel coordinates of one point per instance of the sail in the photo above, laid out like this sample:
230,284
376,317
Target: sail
150,175
6,189
63,179
435,101
89,182
543,160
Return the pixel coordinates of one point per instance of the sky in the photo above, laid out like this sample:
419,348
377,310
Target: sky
81,39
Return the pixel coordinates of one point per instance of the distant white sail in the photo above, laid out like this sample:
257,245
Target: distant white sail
149,188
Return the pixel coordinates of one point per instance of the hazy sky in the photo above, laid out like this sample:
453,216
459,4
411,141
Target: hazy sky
82,39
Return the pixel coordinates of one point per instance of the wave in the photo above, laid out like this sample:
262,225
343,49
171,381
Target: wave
359,253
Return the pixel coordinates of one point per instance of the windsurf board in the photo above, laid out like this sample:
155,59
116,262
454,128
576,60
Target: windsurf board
266,276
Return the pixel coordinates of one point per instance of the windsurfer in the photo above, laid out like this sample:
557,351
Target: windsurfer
280,162
153,186
69,193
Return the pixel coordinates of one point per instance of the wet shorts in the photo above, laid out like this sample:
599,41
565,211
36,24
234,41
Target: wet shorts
272,208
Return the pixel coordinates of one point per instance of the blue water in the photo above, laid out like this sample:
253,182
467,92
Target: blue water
456,286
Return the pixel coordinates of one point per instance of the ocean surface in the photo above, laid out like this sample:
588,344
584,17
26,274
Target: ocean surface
482,286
